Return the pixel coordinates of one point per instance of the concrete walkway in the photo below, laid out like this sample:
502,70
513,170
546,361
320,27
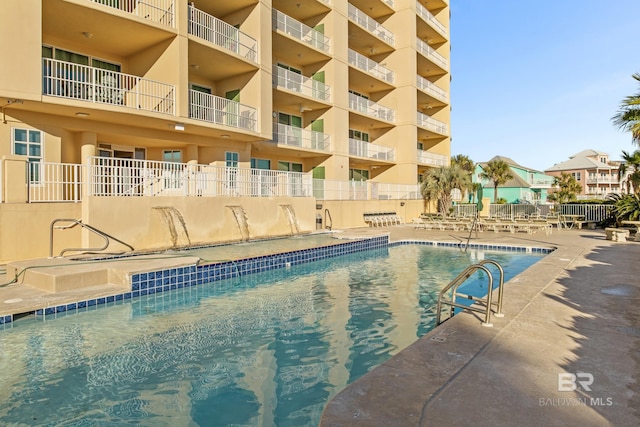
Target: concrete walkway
567,353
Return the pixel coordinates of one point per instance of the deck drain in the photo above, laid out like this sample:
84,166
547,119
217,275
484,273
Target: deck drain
12,300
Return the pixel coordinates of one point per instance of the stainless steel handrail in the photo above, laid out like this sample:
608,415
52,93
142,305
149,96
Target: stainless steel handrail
75,222
459,280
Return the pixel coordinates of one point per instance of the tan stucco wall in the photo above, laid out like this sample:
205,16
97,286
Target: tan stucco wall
25,229
349,214
141,223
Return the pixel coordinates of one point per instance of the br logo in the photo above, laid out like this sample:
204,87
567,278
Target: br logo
570,382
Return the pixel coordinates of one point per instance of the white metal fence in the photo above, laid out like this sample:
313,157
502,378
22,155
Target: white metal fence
54,182
370,150
364,190
430,53
430,123
422,12
430,88
161,11
371,25
298,83
300,31
591,212
125,177
370,108
222,111
369,66
302,138
431,159
76,81
218,32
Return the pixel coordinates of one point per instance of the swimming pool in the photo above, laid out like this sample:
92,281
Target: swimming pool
269,348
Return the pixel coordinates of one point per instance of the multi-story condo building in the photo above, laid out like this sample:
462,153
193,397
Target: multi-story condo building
173,122
594,171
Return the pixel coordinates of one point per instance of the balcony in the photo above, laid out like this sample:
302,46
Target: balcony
299,31
371,25
300,138
370,108
431,20
431,124
371,67
221,111
603,180
84,83
218,32
431,89
159,11
370,150
431,159
433,56
295,82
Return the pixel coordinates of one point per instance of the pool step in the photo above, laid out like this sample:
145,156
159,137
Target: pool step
60,274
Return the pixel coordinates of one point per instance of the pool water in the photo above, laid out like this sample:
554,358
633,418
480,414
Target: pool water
265,349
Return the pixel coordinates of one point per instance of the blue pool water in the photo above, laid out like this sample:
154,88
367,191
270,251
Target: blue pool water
264,349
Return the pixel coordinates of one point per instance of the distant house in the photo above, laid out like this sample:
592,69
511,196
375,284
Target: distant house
596,173
527,185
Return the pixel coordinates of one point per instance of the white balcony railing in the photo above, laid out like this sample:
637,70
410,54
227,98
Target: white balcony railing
370,108
431,54
602,180
389,2
370,150
126,177
218,32
431,124
431,159
301,138
369,66
298,83
430,88
300,31
364,190
371,25
54,182
422,12
222,111
160,11
75,81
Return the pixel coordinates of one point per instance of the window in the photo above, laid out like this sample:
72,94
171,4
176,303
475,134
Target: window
27,142
576,175
420,146
174,156
358,135
358,174
231,159
289,166
260,164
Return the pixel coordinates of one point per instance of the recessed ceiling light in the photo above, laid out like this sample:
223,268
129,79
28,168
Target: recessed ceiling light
224,136
87,34
82,114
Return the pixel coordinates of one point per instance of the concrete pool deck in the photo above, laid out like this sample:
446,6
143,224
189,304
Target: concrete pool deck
575,312
566,353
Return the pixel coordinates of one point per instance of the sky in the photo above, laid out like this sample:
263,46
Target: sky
538,81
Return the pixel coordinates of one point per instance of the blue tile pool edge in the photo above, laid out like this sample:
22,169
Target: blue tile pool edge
157,281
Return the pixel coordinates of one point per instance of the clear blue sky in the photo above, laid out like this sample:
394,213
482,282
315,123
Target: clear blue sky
539,81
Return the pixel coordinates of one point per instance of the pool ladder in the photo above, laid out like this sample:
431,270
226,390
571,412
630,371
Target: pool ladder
73,223
488,304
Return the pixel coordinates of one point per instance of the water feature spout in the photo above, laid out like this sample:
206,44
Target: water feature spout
291,217
241,219
177,227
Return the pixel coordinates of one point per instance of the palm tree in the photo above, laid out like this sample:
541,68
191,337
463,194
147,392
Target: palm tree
468,166
632,165
568,191
438,183
628,116
497,171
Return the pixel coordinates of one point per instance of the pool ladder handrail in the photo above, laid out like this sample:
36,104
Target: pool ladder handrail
75,222
460,279
330,224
